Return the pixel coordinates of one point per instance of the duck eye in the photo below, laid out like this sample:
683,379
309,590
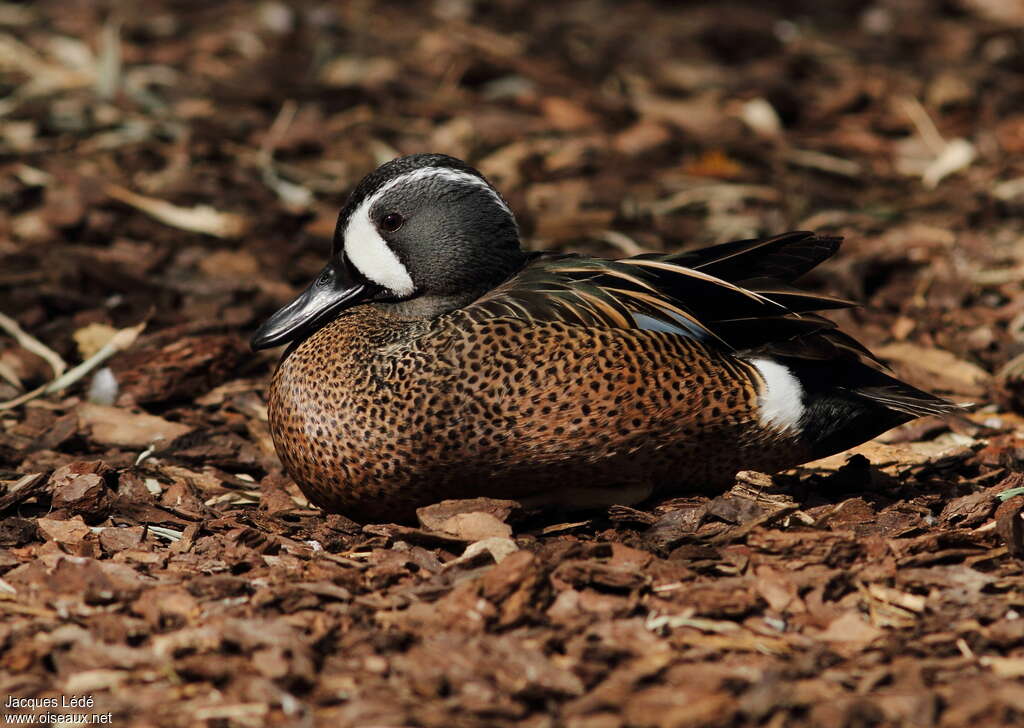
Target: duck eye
391,222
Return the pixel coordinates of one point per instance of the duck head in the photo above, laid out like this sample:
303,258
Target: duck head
420,236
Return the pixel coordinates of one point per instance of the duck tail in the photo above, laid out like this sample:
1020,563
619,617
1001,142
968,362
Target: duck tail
847,402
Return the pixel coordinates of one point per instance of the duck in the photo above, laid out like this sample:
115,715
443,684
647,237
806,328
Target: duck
435,358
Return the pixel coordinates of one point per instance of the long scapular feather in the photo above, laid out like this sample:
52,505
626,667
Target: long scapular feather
679,270
785,257
738,294
909,401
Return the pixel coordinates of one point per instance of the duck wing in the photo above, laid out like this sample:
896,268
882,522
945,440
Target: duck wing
737,295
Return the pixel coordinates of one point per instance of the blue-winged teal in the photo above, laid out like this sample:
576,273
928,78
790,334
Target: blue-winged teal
433,358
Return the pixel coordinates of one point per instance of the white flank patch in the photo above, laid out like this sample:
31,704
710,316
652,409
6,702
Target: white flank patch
782,397
369,252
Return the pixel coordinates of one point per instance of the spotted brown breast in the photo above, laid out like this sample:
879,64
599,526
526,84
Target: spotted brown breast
374,416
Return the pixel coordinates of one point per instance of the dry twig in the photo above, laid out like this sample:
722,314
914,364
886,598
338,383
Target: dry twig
27,341
198,219
120,341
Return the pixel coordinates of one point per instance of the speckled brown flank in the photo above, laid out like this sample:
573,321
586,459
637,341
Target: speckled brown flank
374,416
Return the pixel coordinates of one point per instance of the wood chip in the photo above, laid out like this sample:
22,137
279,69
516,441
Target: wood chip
199,219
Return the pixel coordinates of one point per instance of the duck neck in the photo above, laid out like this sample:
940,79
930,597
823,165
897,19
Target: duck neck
427,306
431,304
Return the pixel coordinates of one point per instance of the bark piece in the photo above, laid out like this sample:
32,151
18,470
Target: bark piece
125,428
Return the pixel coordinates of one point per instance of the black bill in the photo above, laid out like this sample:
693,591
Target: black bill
336,288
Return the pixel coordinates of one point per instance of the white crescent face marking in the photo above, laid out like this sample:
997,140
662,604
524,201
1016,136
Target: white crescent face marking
371,256
370,253
781,399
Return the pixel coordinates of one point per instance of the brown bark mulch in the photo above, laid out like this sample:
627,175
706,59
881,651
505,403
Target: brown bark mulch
169,175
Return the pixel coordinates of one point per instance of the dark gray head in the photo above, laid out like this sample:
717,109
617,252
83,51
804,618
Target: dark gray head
421,236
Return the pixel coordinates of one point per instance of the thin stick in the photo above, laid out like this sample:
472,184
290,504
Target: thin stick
34,345
118,342
930,133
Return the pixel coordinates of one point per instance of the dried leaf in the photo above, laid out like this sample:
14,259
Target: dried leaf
90,339
942,368
199,219
122,427
476,526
